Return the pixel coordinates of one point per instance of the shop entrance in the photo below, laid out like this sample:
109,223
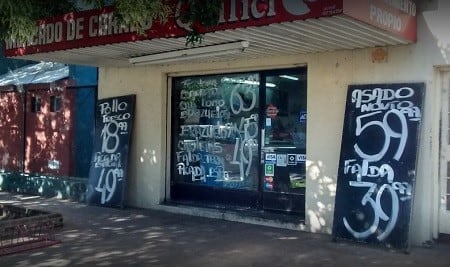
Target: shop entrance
284,141
239,140
444,209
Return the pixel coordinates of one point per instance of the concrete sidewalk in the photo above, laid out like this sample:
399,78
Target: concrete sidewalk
95,236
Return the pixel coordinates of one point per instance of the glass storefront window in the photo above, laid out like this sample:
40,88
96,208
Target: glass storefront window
240,139
285,124
215,131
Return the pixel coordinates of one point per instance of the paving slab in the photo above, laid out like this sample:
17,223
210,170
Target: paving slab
96,236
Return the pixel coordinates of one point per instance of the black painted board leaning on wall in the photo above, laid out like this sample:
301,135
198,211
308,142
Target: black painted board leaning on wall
377,167
108,172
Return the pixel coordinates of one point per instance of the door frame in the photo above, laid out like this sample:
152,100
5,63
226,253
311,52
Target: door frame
276,201
443,222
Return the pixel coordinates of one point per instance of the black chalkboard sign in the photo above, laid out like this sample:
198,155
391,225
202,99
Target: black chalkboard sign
377,165
108,172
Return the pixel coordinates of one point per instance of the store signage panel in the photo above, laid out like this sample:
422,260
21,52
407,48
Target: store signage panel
397,17
98,27
378,163
109,164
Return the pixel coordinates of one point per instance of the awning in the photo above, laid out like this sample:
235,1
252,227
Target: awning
281,27
43,72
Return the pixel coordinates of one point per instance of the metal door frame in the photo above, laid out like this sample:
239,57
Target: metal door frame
444,164
266,197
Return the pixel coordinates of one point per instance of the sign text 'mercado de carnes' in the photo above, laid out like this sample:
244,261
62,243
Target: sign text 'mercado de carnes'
99,27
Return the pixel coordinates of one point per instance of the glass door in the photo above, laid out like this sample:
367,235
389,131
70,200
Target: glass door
284,140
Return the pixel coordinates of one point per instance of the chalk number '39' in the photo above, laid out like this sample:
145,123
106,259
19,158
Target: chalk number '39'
375,203
378,212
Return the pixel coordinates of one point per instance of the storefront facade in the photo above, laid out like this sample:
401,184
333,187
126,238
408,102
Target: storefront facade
210,131
325,106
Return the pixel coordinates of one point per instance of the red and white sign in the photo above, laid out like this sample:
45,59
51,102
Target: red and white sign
271,111
397,17
98,27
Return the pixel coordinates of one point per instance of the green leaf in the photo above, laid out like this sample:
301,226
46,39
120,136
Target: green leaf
18,21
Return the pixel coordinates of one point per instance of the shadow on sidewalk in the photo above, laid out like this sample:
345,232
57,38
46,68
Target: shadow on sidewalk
95,236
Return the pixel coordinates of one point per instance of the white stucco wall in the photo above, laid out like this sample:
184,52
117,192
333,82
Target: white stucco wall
329,74
146,169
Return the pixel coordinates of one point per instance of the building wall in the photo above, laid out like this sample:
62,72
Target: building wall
329,74
147,162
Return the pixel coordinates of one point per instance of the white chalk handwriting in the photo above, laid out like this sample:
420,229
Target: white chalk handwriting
115,119
384,114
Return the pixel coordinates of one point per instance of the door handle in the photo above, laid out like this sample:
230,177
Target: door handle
263,136
263,131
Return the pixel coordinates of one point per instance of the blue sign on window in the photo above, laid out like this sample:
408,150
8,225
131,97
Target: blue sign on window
302,116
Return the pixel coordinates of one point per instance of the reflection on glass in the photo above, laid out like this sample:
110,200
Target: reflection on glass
216,130
286,112
285,133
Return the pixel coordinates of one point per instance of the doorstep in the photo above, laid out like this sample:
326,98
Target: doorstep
444,239
237,214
